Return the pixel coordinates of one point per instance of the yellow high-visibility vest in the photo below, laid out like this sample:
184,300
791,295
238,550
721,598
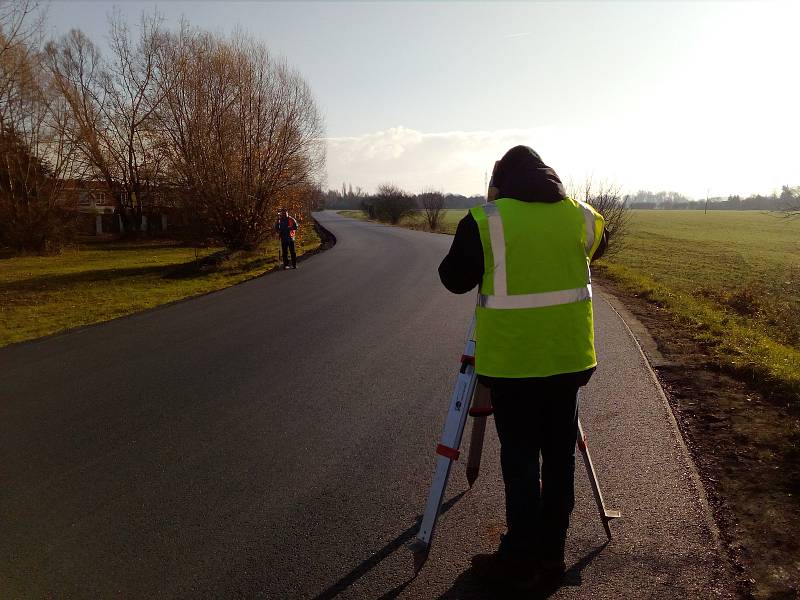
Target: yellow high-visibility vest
534,314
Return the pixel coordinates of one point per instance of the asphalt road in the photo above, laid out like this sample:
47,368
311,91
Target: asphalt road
276,440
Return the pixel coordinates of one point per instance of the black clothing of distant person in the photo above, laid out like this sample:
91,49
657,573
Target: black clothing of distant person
287,228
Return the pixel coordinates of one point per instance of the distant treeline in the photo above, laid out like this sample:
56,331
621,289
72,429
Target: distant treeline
788,197
349,198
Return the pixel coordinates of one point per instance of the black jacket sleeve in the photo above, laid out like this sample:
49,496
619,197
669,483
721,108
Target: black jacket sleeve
601,247
462,268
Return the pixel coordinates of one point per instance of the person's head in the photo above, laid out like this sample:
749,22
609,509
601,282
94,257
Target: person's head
284,212
522,174
519,158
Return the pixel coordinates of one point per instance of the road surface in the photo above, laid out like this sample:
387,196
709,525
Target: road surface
275,440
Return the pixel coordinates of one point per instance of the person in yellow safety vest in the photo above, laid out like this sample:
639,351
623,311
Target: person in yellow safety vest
528,249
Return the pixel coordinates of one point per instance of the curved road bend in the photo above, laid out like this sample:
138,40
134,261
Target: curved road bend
275,440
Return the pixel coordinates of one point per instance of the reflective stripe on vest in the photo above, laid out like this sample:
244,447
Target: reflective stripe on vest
589,220
539,300
498,241
501,299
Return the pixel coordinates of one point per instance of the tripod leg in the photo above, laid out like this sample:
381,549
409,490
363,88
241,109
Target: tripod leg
605,514
481,408
447,452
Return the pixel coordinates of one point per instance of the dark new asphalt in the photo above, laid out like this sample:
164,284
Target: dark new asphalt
275,440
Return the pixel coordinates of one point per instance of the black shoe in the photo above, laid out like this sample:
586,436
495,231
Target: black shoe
548,577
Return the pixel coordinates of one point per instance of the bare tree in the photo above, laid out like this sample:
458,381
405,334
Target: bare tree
21,24
36,152
432,202
113,103
391,203
242,130
607,199
20,34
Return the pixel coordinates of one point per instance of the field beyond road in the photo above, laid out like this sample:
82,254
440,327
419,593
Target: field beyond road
42,295
733,275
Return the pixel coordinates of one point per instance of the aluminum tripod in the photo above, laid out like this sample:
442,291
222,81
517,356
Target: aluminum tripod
448,451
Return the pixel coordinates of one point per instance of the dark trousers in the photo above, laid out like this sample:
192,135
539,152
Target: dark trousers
537,417
287,246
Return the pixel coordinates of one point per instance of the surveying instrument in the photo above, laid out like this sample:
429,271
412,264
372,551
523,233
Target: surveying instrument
465,401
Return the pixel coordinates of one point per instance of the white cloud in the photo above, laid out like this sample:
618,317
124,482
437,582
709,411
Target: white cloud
454,161
637,154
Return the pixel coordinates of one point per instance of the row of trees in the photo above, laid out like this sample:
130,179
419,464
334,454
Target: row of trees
351,198
391,203
214,126
787,199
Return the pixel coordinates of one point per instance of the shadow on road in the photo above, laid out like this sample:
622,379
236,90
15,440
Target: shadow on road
468,585
369,564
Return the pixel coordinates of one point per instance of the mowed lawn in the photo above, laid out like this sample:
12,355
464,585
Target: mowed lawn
41,295
734,276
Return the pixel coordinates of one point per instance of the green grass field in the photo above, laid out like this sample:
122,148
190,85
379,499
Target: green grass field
734,276
41,295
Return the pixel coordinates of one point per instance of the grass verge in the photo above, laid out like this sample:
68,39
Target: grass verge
43,295
734,343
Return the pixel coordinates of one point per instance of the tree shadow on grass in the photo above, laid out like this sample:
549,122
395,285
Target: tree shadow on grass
200,267
216,262
470,586
53,282
373,561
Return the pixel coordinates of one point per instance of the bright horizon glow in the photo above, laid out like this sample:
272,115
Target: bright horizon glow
689,97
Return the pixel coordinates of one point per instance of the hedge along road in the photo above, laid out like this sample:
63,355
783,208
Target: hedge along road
275,439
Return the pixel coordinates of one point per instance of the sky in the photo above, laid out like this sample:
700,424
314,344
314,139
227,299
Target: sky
693,97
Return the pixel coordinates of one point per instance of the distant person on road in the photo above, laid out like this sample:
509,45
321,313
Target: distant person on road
287,228
528,249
